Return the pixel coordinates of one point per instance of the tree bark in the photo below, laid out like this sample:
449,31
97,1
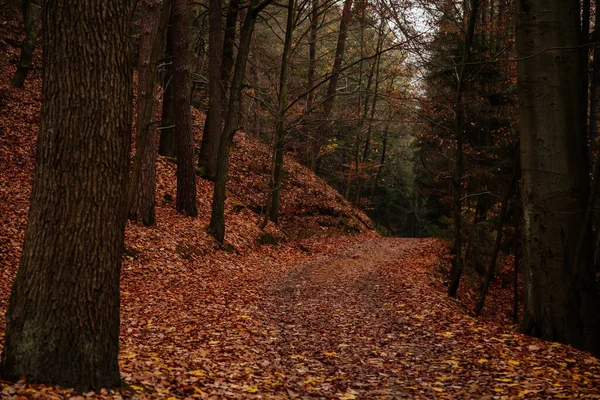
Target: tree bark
214,120
142,186
217,220
560,302
280,127
31,19
184,140
457,267
492,266
166,146
323,130
62,322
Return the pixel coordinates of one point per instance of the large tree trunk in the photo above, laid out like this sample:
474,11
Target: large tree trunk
213,124
312,54
184,140
62,322
560,299
323,130
31,20
142,186
457,266
217,220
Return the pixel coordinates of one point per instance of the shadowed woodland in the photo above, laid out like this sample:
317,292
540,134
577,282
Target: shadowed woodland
353,199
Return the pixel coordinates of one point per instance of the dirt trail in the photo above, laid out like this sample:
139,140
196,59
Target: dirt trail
369,322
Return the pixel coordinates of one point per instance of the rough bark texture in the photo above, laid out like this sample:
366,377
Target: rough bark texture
31,20
142,185
166,145
323,130
184,141
560,300
213,125
62,322
217,220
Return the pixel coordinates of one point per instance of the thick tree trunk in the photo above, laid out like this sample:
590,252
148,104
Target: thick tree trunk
142,186
457,266
560,298
323,130
31,19
184,140
166,145
214,120
217,220
62,322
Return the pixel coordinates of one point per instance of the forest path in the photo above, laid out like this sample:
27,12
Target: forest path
368,322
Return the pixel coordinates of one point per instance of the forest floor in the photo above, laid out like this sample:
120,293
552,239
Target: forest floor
356,318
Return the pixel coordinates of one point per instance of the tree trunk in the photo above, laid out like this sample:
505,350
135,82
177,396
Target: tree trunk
217,220
214,120
457,266
560,300
31,19
323,130
492,266
166,146
142,186
228,49
62,322
312,54
184,140
280,128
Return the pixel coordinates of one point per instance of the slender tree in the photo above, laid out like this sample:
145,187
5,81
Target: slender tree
457,266
213,125
560,296
323,130
154,17
31,19
274,198
166,145
62,321
217,220
184,140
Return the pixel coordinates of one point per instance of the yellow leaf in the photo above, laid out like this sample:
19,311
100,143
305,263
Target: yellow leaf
482,360
250,389
298,356
198,390
137,388
437,389
128,355
513,362
347,396
498,390
411,387
197,372
448,335
245,316
330,355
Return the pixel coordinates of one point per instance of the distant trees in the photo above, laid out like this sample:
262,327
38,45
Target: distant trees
62,322
31,19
